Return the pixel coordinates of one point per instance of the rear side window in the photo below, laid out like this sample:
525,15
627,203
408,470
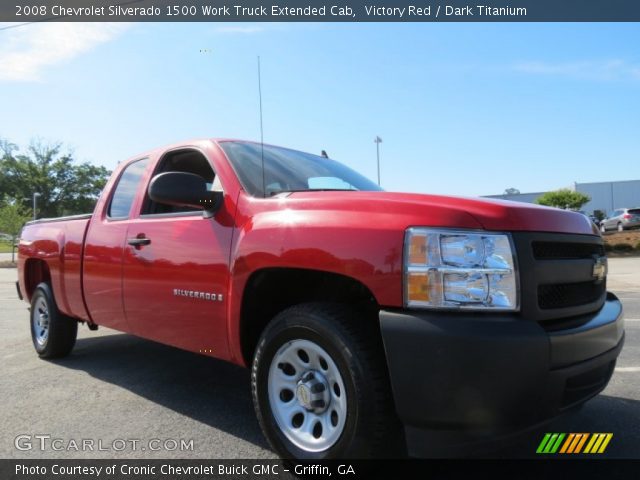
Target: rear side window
126,189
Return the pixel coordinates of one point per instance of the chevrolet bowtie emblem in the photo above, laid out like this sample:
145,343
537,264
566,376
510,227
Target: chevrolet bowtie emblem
600,268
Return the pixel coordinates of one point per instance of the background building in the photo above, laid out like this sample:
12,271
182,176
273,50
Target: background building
605,196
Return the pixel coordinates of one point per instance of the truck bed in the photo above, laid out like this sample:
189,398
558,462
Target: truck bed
54,247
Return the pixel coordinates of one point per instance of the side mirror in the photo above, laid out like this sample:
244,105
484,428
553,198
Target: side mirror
184,190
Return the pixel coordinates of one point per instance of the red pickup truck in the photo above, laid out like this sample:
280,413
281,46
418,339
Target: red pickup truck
365,316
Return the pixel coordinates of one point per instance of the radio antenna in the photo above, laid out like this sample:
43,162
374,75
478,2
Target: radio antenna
264,187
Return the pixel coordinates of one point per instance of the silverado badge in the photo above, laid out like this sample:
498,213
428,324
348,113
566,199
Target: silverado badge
215,297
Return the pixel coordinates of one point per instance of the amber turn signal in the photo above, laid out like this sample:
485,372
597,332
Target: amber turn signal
418,287
418,249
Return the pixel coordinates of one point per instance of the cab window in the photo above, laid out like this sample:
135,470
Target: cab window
189,161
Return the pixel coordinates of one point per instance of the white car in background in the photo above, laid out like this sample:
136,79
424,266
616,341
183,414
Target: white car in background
621,219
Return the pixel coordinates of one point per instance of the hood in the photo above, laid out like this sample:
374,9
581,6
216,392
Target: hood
406,209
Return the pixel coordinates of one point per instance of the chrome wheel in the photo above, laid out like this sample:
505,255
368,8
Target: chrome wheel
40,321
307,395
620,228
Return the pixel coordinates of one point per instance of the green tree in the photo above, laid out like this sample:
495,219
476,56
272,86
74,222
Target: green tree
12,217
66,187
564,198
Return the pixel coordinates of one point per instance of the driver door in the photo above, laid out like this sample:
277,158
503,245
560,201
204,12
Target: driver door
175,267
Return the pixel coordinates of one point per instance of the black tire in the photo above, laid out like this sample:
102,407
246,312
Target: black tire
61,331
354,345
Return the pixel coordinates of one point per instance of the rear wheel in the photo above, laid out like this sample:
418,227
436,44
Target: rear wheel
620,227
53,333
320,385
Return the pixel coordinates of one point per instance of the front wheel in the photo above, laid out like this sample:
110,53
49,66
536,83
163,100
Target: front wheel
53,333
603,229
320,385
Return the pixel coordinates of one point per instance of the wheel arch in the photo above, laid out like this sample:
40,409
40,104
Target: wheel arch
36,271
271,290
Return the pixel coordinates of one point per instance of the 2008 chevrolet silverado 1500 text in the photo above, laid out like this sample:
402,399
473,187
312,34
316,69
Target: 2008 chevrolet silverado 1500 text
364,315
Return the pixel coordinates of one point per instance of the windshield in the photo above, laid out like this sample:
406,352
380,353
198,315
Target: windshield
289,170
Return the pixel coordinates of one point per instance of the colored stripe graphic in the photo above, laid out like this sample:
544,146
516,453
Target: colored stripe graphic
555,447
607,439
543,443
591,442
598,443
573,443
567,443
550,443
581,442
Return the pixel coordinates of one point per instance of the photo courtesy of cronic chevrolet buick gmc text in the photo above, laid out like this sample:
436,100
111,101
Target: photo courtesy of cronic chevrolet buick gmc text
365,316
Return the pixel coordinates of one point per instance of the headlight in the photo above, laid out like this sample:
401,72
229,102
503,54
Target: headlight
457,269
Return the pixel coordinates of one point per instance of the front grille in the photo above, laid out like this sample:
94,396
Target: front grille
556,276
564,295
565,250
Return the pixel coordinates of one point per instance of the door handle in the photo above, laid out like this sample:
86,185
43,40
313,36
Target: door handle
138,242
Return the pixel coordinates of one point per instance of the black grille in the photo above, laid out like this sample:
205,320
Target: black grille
565,250
556,275
566,295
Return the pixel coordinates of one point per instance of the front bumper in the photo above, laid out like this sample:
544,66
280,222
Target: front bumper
477,376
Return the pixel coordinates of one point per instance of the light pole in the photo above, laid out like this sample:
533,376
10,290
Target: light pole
35,195
378,141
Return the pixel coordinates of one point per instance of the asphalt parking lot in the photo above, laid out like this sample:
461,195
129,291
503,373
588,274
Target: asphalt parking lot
160,402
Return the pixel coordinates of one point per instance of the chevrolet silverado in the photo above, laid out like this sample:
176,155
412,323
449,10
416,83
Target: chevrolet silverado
369,319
